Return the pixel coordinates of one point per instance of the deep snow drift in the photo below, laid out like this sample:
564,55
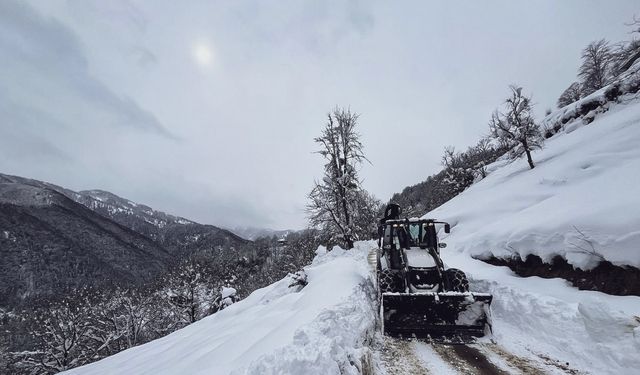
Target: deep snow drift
583,192
320,329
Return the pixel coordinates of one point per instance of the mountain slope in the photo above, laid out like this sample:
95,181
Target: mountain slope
175,233
51,244
53,240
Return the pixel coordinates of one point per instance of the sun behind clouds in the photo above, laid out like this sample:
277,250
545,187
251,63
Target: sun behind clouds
202,53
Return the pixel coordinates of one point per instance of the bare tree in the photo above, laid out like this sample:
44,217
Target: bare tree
365,218
65,333
594,71
516,126
333,201
451,158
570,95
481,154
188,293
123,320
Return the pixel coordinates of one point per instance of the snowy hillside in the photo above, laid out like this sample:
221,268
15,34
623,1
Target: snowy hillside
320,329
580,202
112,205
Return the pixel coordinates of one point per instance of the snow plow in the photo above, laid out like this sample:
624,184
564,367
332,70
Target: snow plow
419,296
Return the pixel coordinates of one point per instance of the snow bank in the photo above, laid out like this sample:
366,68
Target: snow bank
580,202
549,320
322,329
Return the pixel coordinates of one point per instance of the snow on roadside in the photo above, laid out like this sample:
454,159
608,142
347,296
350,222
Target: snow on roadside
548,320
322,329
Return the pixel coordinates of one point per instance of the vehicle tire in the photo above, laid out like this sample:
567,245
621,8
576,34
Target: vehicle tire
456,280
389,281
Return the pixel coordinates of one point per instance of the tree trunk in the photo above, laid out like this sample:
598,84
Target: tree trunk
525,145
349,242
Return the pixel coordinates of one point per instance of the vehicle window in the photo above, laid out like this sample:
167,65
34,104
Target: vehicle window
429,235
414,233
387,235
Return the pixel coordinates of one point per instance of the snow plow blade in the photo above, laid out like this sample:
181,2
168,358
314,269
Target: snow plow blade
448,316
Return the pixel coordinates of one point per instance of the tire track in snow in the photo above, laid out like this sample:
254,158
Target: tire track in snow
559,365
411,356
518,364
398,357
467,360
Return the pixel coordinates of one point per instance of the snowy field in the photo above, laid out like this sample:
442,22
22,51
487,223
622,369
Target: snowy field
321,329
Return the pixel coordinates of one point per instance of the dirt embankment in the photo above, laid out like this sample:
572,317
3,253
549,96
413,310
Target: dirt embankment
606,277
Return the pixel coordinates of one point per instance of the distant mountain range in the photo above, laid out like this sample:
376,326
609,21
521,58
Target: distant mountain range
252,233
53,239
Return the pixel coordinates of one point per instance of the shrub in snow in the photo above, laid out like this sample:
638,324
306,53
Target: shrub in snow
226,298
298,280
570,95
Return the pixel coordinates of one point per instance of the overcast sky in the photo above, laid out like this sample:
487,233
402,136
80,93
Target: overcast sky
208,109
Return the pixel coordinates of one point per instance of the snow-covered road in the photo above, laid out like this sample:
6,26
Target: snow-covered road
399,356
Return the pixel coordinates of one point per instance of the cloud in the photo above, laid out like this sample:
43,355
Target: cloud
122,12
143,56
92,97
45,70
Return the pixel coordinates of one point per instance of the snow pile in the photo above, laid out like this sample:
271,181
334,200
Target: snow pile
580,202
548,320
320,329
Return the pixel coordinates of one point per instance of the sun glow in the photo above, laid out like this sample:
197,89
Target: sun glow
202,54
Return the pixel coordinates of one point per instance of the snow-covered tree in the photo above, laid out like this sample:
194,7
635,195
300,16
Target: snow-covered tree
365,218
4,356
570,95
298,280
457,174
188,293
226,298
336,202
65,333
516,126
594,71
482,154
126,319
626,53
